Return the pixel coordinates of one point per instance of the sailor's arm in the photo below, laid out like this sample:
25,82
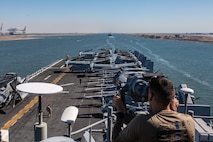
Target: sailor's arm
190,128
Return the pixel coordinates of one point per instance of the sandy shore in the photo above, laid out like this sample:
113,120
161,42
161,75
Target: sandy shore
33,36
14,37
182,37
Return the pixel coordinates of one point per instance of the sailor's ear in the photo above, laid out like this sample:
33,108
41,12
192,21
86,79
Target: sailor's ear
151,98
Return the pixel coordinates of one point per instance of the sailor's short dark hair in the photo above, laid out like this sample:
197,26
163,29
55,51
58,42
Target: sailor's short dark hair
163,88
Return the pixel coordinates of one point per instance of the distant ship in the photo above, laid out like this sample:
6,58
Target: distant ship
110,35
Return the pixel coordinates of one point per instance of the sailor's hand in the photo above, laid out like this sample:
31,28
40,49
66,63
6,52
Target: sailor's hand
118,104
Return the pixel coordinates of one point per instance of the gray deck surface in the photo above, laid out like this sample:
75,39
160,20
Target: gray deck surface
89,109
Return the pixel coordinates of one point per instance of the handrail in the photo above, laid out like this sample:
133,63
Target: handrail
29,77
90,126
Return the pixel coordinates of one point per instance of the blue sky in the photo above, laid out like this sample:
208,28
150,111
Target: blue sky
103,16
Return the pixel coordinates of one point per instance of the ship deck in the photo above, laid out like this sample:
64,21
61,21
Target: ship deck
21,119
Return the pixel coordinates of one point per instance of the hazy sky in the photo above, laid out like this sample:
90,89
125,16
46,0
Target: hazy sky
103,16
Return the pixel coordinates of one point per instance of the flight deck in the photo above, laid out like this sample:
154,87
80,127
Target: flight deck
19,121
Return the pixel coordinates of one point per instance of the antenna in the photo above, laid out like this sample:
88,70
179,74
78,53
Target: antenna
186,91
69,116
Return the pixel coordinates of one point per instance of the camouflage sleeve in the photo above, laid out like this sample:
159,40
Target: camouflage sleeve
190,128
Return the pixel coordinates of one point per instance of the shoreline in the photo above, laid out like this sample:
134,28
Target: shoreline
165,36
34,36
14,37
180,37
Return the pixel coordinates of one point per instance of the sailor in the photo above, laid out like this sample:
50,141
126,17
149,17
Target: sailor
49,110
80,81
68,57
164,123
